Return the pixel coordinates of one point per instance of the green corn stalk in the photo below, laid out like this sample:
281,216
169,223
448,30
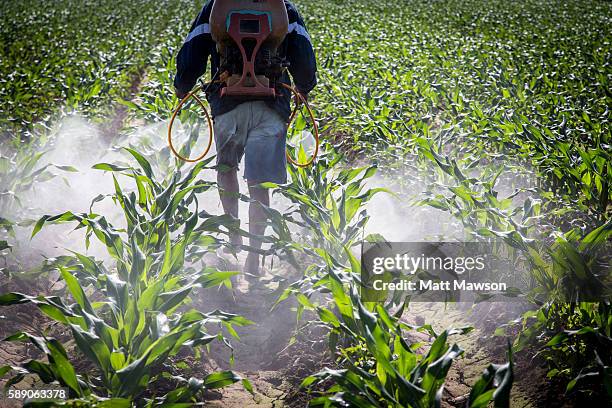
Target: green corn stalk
574,340
135,324
327,205
562,274
382,369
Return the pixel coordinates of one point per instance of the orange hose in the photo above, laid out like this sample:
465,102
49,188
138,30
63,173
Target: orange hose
210,126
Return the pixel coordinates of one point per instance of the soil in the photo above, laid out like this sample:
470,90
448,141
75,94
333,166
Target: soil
466,370
275,353
118,118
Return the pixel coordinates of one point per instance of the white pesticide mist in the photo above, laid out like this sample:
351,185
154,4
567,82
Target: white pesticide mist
78,143
74,142
397,220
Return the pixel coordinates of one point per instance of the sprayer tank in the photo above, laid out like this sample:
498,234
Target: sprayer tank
274,10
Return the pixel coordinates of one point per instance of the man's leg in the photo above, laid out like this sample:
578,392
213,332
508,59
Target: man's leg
264,161
230,137
257,225
228,192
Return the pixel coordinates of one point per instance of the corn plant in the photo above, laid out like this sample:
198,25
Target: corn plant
563,273
21,171
572,267
134,322
575,342
382,369
327,204
44,74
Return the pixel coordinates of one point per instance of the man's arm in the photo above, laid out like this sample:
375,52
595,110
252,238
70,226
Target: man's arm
301,56
192,57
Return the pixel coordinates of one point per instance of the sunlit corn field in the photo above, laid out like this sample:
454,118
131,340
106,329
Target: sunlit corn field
472,120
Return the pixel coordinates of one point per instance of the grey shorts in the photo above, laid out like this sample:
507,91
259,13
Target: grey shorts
257,131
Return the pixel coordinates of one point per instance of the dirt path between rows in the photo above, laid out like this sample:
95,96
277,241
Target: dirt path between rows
270,353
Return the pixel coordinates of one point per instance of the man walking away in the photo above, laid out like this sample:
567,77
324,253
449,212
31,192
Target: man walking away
249,126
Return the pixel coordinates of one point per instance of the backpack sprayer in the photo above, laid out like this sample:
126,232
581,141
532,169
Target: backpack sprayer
248,34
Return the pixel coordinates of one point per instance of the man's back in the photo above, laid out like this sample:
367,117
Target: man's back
199,45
